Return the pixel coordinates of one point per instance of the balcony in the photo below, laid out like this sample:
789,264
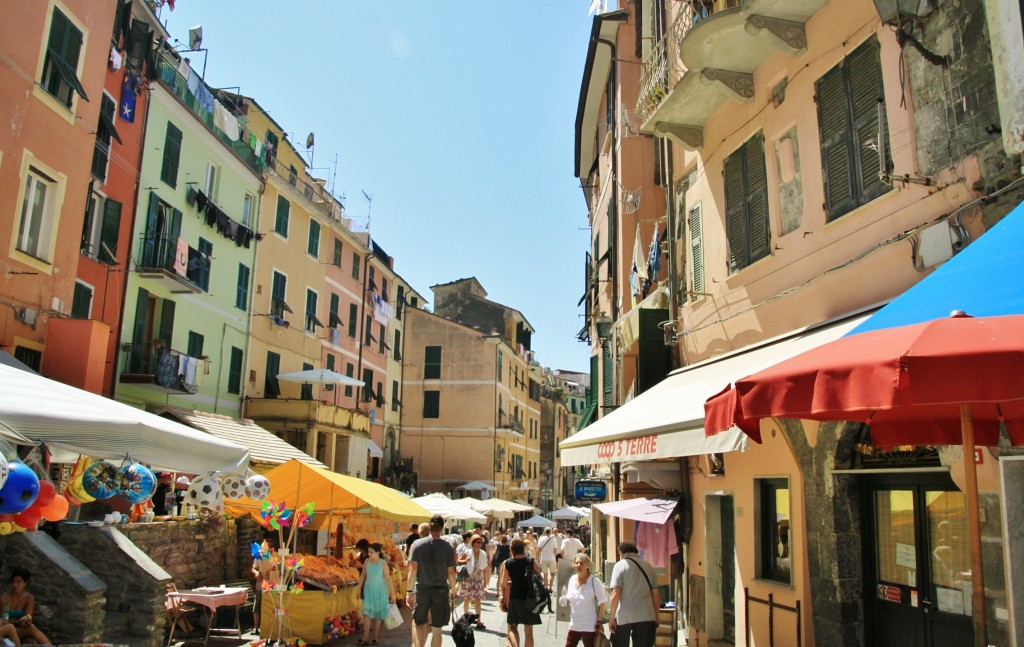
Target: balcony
154,364
296,411
313,190
178,85
181,268
709,56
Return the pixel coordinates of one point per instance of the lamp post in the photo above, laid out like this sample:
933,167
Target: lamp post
603,325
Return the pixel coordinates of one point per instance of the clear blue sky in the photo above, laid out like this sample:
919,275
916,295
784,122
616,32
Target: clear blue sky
456,117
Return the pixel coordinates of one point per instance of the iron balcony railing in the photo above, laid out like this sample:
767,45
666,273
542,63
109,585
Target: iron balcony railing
160,363
662,68
161,253
176,83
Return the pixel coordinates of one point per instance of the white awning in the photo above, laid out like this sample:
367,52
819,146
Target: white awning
667,421
75,420
375,450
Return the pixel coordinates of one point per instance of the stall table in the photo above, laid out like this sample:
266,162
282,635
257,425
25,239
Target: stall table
210,598
305,612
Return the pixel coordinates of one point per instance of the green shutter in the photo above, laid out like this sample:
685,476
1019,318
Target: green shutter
167,322
109,232
735,204
591,395
758,236
696,249
271,388
607,377
235,372
834,122
865,92
653,356
172,155
141,317
281,218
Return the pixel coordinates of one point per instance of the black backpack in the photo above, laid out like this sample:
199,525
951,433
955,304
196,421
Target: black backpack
538,597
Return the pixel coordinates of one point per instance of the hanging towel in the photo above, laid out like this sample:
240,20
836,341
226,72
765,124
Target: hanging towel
184,68
204,98
115,59
181,257
193,82
225,121
657,541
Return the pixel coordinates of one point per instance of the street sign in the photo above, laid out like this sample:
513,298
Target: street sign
591,491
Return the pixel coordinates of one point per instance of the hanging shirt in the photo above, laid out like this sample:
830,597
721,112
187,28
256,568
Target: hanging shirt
657,541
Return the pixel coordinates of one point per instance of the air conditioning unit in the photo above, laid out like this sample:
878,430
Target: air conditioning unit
27,316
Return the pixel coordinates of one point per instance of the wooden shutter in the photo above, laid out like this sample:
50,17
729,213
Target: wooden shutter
696,249
591,393
167,322
758,235
653,356
607,375
141,317
865,92
834,122
734,211
109,232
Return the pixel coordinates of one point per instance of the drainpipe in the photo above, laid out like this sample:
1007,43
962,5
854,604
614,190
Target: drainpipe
671,226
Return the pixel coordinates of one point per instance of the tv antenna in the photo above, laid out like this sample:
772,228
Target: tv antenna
369,207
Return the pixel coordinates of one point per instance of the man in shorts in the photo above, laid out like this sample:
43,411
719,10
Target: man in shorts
547,548
431,583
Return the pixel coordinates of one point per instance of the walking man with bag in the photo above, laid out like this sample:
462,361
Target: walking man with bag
634,601
431,583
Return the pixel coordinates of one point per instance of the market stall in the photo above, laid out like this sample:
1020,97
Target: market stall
313,592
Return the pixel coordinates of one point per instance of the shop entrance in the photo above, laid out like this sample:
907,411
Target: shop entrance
917,571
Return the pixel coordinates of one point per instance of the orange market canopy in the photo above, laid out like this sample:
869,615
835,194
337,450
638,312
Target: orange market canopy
334,496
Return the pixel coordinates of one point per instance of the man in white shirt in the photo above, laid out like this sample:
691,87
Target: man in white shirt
570,546
547,548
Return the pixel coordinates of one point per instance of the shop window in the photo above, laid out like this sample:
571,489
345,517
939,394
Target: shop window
773,533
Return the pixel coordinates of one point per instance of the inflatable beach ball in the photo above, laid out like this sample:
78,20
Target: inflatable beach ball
257,487
20,490
205,492
100,480
233,486
3,470
137,482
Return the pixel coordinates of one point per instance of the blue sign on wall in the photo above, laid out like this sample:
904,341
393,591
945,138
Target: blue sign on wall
591,491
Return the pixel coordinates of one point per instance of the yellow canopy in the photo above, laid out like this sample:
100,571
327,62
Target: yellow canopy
334,495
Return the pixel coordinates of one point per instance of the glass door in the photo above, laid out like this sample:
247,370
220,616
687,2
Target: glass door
918,573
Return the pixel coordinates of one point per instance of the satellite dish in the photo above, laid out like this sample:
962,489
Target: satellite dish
195,37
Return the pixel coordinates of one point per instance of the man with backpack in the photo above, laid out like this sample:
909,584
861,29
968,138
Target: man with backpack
514,587
431,583
634,603
547,547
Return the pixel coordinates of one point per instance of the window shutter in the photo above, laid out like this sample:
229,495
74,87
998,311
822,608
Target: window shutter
866,89
109,231
141,316
167,322
833,120
757,198
734,209
654,357
607,374
591,393
696,249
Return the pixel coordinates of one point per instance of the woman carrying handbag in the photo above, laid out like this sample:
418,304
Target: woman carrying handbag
587,600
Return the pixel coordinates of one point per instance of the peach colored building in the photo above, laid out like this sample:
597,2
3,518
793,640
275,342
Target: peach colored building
817,169
51,89
469,412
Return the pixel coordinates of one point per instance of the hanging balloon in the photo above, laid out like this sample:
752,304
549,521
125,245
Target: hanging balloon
234,487
75,492
28,518
100,480
137,482
205,492
20,490
57,510
46,493
6,527
257,487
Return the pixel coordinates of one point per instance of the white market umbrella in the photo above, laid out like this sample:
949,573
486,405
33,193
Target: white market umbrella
319,376
566,513
450,510
483,508
536,522
475,486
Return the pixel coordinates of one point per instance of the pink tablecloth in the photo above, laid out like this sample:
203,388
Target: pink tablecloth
213,597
